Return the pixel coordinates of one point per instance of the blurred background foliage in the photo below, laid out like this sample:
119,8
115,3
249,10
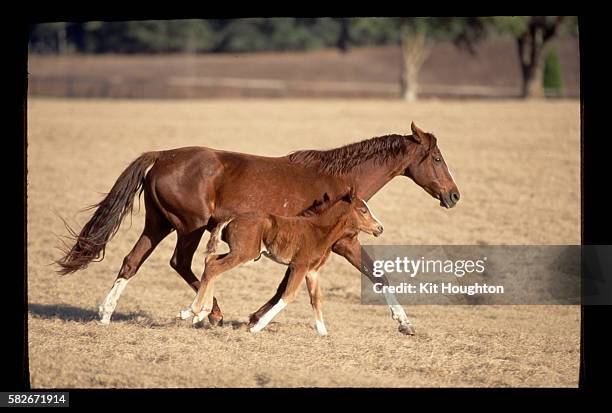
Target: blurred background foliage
415,36
259,34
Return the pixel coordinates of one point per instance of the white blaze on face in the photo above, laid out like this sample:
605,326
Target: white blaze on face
267,317
107,308
451,175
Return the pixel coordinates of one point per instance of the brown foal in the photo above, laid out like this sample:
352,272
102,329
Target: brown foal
303,243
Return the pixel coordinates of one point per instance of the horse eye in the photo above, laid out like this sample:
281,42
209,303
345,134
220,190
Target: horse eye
437,159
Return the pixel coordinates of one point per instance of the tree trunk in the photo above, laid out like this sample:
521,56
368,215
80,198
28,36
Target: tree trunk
61,39
343,36
531,48
415,50
409,81
532,83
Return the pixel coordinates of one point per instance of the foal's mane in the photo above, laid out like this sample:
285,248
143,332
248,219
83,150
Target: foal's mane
341,160
319,207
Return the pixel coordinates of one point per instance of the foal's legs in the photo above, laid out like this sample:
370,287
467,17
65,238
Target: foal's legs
215,266
156,228
314,290
295,278
186,245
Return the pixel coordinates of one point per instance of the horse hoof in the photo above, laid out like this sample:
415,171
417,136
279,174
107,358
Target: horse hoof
185,314
252,321
407,329
215,321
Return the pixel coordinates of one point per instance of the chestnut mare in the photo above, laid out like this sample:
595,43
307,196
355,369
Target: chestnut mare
192,189
303,243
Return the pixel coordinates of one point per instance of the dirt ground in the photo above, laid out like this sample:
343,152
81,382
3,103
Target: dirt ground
517,166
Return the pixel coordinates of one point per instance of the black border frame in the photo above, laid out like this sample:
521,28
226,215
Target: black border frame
595,359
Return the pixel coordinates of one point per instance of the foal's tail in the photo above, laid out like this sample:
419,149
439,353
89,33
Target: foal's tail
90,243
215,237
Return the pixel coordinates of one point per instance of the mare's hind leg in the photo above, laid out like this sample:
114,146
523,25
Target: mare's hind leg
295,278
156,229
186,245
254,318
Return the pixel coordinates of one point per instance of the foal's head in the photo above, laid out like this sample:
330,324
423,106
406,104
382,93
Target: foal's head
429,170
359,216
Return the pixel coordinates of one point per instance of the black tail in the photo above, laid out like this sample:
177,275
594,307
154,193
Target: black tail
90,243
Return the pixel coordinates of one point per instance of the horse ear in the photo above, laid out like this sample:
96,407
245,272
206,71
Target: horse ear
349,195
417,134
352,193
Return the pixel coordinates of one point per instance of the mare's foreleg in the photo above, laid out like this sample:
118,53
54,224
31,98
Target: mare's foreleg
350,248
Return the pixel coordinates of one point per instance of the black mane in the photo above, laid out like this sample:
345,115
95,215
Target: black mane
316,208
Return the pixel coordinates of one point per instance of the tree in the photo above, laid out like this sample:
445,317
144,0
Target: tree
418,36
416,47
49,38
343,35
533,34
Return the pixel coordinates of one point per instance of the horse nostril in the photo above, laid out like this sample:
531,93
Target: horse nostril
455,197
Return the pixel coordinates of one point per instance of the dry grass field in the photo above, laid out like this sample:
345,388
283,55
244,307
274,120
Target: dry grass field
517,166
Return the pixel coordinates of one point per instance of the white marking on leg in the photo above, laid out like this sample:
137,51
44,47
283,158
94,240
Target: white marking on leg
107,308
397,312
320,327
206,310
185,313
319,324
267,317
199,314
